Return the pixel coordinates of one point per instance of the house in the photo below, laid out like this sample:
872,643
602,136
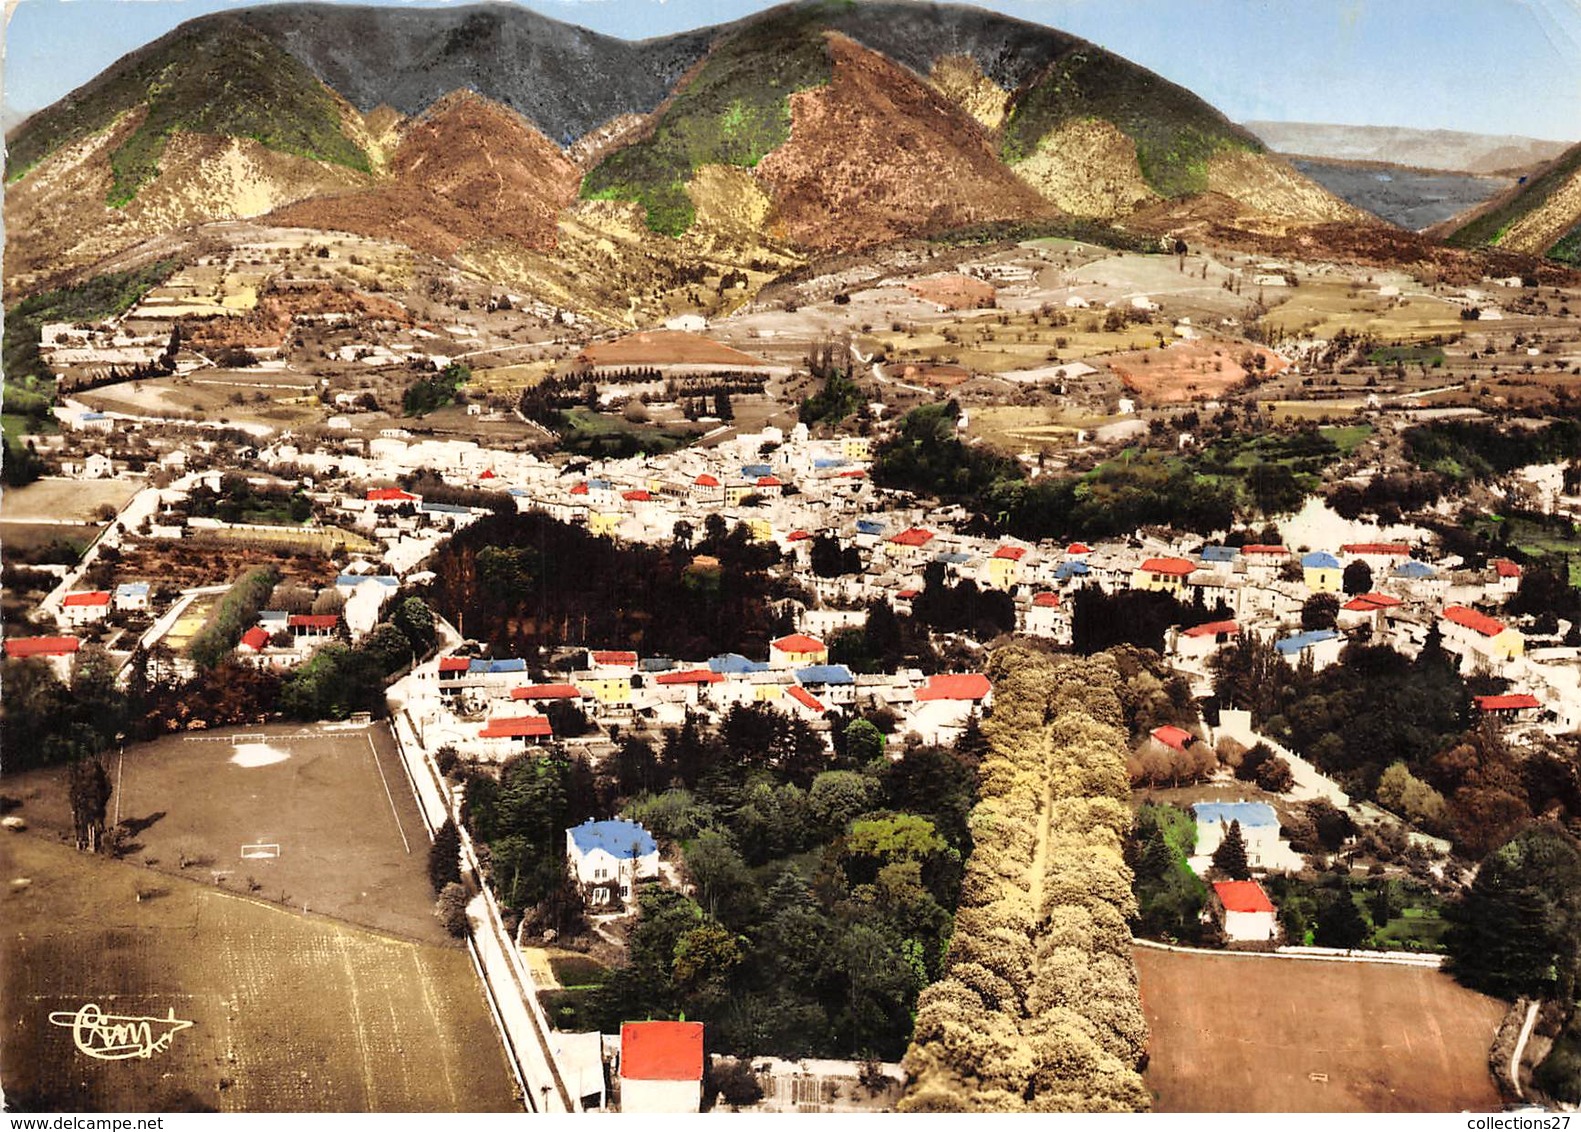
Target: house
1042,616
312,626
1246,913
1201,641
831,683
1175,738
609,857
1263,560
509,734
85,607
661,1067
1004,566
1322,645
131,596
1507,577
1322,572
945,702
796,651
254,640
805,700
57,652
389,498
1479,636
1259,828
539,694
910,544
1511,706
1380,556
691,684
1167,575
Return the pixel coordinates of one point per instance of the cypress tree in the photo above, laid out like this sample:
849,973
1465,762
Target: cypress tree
444,856
1230,856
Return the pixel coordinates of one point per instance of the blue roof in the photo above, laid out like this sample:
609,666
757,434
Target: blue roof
93,416
829,462
1219,553
598,484
825,674
953,557
755,470
655,664
1414,569
133,589
1071,570
869,527
510,664
443,509
272,615
616,837
734,664
1320,560
1251,815
358,579
1292,645
518,492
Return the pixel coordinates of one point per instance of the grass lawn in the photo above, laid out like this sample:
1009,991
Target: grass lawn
577,972
1347,438
1416,928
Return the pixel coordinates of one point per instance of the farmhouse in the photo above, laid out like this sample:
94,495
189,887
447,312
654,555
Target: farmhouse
611,856
1245,912
661,1066
506,735
1166,574
796,651
1259,828
86,607
1511,706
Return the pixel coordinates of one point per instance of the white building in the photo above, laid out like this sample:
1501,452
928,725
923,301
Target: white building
661,1066
611,853
1249,916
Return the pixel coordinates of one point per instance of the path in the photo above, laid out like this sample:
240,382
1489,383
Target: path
1520,1048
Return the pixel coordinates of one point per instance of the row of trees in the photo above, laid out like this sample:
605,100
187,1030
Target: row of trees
1039,1008
236,613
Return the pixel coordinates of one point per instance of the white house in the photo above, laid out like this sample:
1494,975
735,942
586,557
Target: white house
131,596
1249,916
85,607
1259,829
661,1066
613,852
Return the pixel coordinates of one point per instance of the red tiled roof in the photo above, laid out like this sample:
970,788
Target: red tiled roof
913,536
390,495
1398,549
690,676
1013,553
18,647
1513,702
706,480
1177,737
1211,629
486,474
797,536
799,642
769,481
637,496
1176,567
661,1051
1047,600
1263,548
1371,603
312,621
907,595
256,638
88,598
579,488
961,686
1476,622
1506,568
454,664
1078,548
547,692
805,698
517,727
856,474
1242,896
616,658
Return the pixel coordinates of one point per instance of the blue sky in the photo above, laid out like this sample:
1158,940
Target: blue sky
1488,66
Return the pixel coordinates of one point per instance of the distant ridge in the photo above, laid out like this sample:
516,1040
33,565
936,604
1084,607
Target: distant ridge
1448,150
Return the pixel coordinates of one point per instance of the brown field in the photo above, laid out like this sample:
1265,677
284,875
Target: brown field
67,499
954,292
1244,1034
25,542
193,562
183,398
665,348
1189,371
288,1012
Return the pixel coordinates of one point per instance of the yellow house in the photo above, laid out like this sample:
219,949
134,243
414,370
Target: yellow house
1322,572
1166,575
603,522
612,690
762,530
765,693
1486,635
736,492
797,651
856,448
1004,568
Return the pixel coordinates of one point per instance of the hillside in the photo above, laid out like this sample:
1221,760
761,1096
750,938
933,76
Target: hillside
1453,151
1540,217
468,169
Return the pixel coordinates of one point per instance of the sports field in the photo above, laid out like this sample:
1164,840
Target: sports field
249,1007
1254,1034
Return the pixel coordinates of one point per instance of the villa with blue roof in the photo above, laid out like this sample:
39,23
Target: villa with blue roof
609,857
1321,645
1259,829
1322,572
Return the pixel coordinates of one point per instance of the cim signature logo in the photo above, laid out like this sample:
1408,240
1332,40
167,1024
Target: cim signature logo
115,1037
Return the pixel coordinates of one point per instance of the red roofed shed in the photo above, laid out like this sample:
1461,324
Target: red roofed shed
1176,738
962,686
517,727
1212,629
1512,702
19,647
1242,896
690,676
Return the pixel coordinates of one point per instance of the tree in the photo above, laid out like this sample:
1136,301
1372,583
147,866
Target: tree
735,1082
1518,930
1357,578
444,856
90,796
451,908
1339,922
863,742
1230,857
1321,611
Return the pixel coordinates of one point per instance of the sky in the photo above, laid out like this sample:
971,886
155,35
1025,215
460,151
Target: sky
1485,66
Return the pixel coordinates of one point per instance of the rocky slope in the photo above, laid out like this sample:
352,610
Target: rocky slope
1540,216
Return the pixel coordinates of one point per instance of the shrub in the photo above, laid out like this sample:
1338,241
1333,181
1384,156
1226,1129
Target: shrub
451,908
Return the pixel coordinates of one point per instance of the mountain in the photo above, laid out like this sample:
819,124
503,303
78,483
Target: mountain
1452,151
527,146
1539,216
